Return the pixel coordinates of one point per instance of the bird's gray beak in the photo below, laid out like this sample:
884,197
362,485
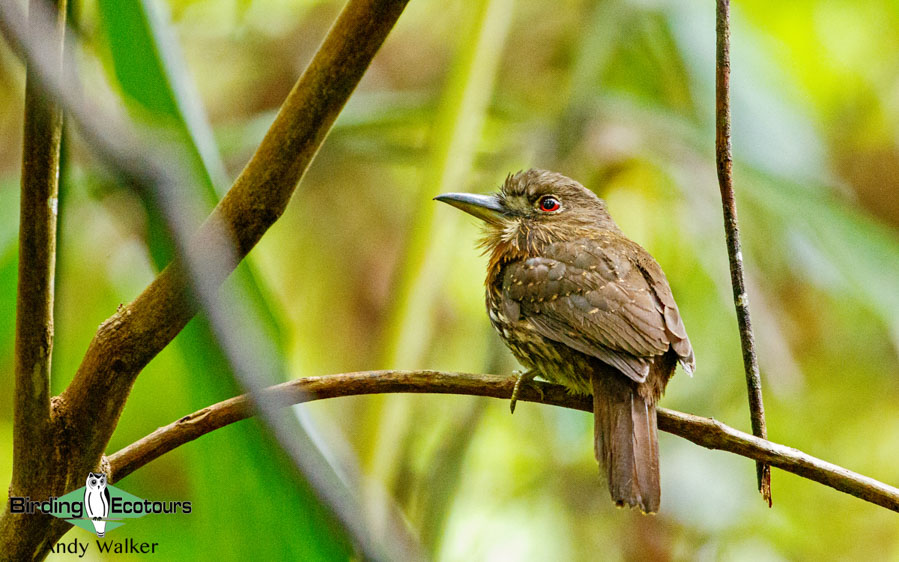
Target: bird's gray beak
488,208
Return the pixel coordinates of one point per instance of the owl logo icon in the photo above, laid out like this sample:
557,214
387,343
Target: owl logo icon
96,501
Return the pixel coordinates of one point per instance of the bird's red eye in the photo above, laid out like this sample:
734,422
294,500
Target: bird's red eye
549,204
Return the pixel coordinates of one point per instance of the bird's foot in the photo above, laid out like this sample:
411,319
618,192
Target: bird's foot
522,379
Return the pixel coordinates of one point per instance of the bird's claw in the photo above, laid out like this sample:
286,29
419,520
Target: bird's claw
522,378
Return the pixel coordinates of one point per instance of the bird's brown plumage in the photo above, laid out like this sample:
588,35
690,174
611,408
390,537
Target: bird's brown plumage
582,305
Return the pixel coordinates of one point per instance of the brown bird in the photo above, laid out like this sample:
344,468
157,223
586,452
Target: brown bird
580,304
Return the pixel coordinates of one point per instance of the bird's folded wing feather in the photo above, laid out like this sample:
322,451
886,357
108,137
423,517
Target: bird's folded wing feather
591,296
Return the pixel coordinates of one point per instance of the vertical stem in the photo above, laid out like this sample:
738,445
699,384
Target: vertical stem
37,262
35,471
724,161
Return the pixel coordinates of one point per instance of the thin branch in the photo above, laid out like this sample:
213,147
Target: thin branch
724,160
706,432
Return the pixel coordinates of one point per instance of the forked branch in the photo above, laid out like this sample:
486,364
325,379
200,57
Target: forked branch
84,417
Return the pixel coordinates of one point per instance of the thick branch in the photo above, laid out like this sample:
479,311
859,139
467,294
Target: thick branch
706,432
724,160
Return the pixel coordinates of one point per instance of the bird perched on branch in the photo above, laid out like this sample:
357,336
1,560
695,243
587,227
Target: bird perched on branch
580,304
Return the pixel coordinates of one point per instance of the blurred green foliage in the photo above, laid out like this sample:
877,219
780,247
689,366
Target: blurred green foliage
618,94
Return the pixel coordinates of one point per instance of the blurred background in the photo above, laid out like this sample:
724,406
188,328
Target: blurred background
364,271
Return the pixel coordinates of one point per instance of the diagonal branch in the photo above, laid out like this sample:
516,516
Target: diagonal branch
706,432
32,442
724,160
128,340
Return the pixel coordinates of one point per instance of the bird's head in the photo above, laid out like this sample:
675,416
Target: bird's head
535,208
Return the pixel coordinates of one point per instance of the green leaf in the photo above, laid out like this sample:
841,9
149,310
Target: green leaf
152,76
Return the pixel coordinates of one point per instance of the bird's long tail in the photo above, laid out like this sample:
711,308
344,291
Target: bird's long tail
626,442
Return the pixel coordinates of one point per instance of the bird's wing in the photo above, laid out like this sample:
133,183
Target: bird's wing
674,326
601,298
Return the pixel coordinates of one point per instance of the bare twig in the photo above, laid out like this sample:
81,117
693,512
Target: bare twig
724,161
706,432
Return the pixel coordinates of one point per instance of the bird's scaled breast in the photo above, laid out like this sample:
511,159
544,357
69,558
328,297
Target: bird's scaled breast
556,362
